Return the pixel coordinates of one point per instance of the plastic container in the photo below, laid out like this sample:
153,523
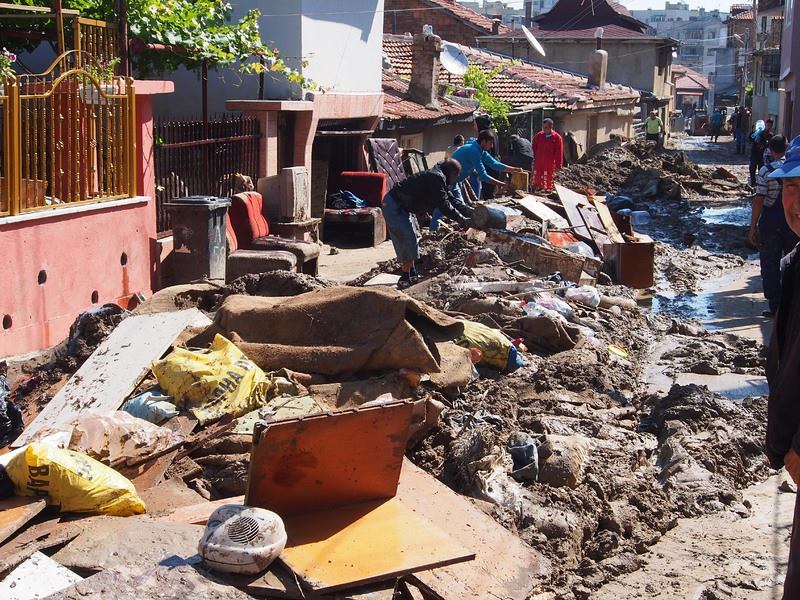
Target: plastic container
640,217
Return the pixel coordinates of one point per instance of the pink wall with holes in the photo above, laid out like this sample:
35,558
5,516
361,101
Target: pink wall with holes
79,254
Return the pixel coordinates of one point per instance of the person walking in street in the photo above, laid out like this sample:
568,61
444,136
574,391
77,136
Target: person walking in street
548,156
783,364
716,124
653,128
769,230
759,141
427,191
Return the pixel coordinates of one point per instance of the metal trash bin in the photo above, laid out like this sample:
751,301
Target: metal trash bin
198,230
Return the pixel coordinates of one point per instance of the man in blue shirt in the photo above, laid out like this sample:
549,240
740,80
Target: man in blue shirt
716,125
475,158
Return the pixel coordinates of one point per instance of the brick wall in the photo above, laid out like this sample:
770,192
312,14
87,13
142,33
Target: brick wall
445,25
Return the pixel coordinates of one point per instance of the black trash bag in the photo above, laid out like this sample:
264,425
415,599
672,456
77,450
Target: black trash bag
6,485
11,424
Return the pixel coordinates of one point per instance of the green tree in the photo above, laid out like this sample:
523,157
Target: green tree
496,108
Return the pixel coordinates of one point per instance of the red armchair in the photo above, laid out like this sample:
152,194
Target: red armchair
370,187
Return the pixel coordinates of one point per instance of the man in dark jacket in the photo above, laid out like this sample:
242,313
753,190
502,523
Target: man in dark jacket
783,363
420,193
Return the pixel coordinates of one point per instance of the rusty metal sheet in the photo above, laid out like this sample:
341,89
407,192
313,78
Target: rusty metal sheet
366,542
328,460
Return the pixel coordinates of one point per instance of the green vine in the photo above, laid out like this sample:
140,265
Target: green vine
496,108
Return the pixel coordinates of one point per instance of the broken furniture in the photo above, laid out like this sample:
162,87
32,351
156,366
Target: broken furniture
414,161
252,232
345,524
244,262
371,188
198,225
288,204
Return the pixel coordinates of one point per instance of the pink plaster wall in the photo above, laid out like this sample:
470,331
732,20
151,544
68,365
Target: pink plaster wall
81,252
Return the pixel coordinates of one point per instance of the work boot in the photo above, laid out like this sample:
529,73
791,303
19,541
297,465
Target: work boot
405,281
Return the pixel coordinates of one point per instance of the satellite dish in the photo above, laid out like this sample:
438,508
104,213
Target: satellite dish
533,41
453,59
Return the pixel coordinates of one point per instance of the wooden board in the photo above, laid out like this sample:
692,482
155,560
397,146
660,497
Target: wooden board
608,222
571,204
125,543
362,543
37,577
574,197
596,229
504,566
198,514
112,372
533,207
15,512
37,537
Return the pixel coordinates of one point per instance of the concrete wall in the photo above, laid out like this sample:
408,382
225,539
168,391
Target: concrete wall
607,123
81,253
342,42
629,63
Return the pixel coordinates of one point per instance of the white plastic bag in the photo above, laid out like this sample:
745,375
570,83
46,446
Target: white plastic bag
586,294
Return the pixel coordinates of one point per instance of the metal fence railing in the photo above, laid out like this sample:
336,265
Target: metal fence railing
197,158
68,137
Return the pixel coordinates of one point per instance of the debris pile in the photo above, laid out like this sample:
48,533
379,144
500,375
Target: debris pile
492,418
637,170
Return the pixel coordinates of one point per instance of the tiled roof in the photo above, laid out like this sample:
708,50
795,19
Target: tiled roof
621,9
691,79
466,14
743,16
735,7
520,84
397,105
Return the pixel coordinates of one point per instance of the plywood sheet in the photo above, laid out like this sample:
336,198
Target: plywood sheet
37,577
15,512
538,210
608,222
198,514
328,460
571,204
37,537
504,566
574,197
114,369
367,542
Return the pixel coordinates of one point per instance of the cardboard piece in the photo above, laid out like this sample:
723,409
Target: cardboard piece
112,372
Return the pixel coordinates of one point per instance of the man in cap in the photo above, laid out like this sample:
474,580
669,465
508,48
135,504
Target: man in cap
769,230
783,363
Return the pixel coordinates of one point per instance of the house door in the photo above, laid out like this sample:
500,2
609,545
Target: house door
591,134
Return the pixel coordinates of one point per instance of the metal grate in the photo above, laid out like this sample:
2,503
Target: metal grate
243,530
196,158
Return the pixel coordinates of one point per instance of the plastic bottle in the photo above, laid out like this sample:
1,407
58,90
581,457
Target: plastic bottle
640,217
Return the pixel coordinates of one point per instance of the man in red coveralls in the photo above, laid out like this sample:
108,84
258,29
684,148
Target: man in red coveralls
548,156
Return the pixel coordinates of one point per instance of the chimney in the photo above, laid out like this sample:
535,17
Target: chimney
528,13
598,67
424,85
495,26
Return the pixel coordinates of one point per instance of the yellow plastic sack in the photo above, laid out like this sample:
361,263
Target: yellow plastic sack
72,481
214,382
491,342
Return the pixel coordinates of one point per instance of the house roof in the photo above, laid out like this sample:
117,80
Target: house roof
465,14
611,31
743,16
521,84
588,14
691,80
397,105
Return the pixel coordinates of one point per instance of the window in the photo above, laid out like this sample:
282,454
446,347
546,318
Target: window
711,35
764,24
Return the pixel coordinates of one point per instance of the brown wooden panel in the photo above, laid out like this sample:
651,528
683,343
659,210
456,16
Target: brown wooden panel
16,512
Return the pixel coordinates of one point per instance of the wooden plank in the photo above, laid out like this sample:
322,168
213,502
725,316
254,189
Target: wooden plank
125,543
596,229
536,209
608,222
574,197
574,217
504,566
37,537
197,514
37,577
367,542
112,372
15,512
